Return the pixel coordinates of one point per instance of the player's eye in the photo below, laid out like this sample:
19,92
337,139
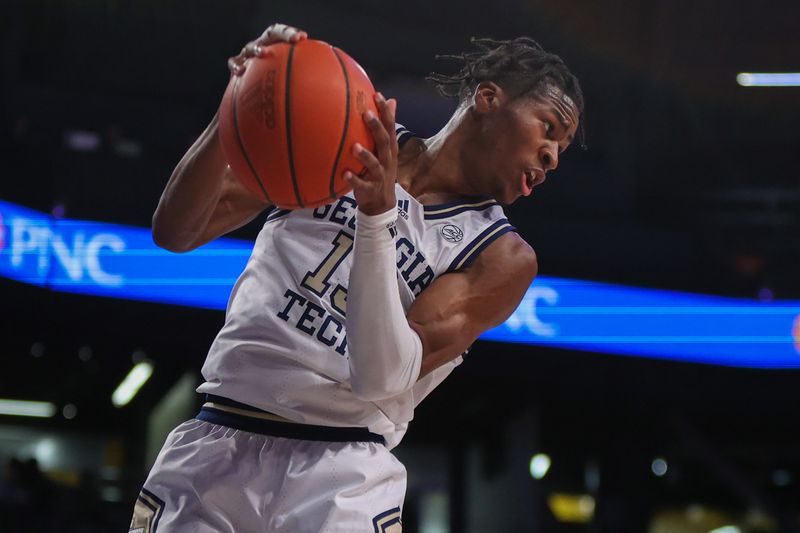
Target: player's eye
548,127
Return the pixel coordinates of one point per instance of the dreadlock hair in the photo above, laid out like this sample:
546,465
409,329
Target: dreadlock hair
520,66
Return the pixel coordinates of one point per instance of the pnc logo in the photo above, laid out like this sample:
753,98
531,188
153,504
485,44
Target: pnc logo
34,246
527,313
796,333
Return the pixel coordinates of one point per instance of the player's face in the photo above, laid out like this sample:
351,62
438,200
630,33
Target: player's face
530,134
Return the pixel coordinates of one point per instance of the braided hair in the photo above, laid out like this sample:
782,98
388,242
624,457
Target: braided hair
520,66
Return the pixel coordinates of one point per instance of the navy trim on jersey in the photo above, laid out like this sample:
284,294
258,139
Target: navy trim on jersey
479,243
403,134
155,504
466,200
277,213
393,517
440,211
274,428
403,137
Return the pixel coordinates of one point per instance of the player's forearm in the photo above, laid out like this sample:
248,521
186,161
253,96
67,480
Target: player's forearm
385,353
191,194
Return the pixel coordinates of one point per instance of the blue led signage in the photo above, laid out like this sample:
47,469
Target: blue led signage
112,260
119,261
624,320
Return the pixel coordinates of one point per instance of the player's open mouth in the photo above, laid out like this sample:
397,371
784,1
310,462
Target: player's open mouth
530,179
527,183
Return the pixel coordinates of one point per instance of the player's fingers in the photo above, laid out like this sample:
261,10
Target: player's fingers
374,168
392,104
236,65
273,34
357,182
386,111
281,32
382,141
297,37
252,49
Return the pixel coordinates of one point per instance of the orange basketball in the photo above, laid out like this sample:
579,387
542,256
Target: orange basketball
288,123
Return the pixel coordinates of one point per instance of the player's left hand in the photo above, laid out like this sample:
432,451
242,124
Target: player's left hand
275,33
374,191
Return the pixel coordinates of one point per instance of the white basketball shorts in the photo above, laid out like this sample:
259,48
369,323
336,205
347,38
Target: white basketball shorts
233,478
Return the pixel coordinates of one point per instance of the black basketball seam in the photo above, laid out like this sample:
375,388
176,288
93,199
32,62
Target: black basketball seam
346,121
288,114
239,139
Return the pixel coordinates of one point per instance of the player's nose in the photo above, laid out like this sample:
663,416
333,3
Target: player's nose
549,157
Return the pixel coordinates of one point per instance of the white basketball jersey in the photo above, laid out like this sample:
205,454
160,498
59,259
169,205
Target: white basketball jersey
283,347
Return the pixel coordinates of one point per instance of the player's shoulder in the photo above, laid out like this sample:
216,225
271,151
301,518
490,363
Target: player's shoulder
407,142
402,133
508,256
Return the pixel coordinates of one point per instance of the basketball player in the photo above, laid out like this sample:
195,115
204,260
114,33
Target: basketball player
348,315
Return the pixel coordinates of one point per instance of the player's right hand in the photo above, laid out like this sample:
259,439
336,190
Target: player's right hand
374,189
274,34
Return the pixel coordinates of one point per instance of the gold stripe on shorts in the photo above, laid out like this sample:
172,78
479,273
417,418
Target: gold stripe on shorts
246,412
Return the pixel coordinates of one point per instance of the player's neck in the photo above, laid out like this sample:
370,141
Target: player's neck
432,171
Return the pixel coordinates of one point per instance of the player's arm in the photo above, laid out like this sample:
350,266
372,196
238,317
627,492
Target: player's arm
202,199
450,314
390,349
385,353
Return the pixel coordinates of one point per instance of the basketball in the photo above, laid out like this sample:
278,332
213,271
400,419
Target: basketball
288,123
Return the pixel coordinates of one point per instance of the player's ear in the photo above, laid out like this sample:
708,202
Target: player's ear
487,97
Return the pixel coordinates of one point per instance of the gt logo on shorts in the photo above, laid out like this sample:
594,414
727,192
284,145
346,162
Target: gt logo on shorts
146,513
388,522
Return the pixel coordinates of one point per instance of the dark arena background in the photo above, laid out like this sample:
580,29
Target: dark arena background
649,381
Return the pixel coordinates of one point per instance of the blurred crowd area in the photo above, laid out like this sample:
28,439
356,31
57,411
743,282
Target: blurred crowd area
31,502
